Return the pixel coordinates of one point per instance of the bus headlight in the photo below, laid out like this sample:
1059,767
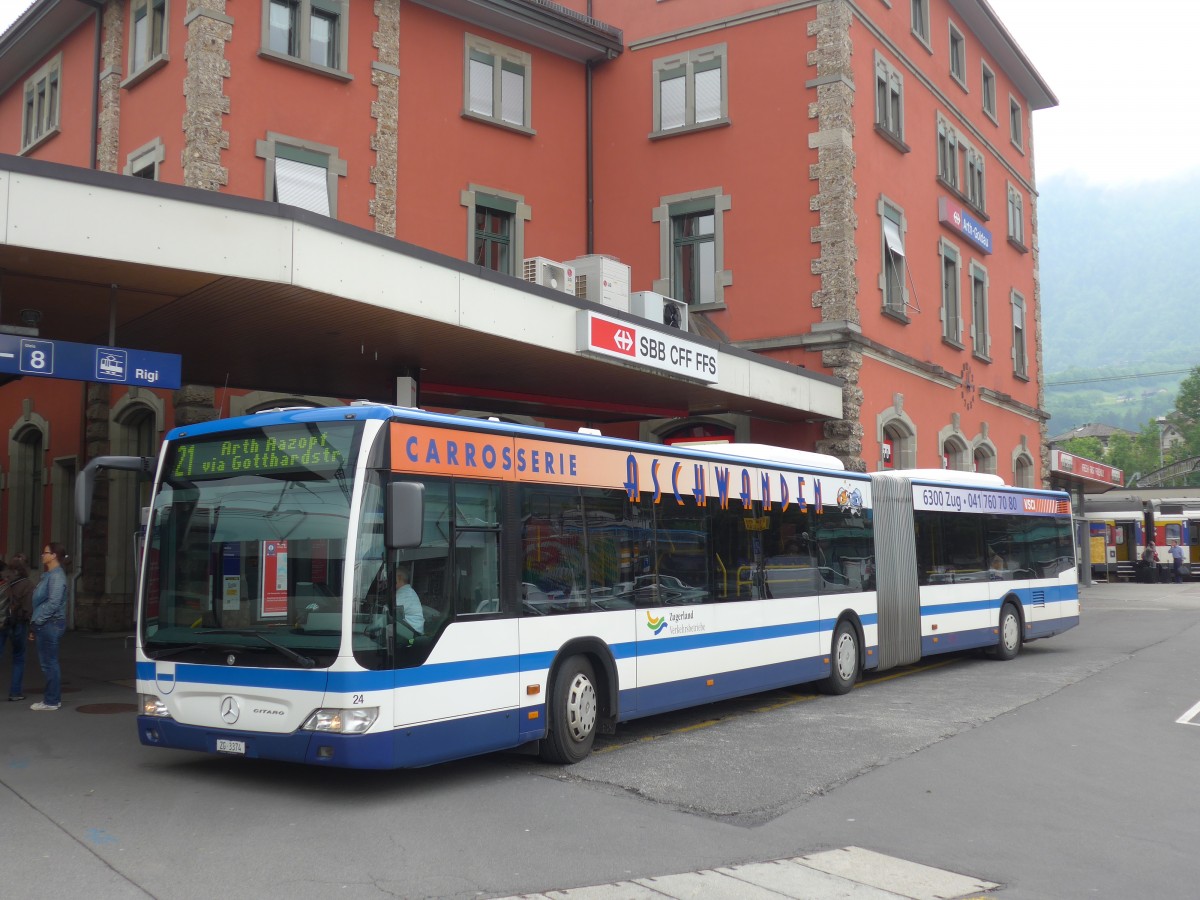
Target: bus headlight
342,721
150,705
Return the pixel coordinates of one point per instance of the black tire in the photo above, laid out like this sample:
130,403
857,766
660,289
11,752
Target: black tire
844,661
1008,642
572,711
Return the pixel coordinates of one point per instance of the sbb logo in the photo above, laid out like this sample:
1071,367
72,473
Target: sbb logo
614,336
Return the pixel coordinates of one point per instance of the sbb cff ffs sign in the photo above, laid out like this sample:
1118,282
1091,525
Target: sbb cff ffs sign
598,334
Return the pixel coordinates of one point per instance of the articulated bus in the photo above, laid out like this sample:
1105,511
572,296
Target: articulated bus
1118,525
376,587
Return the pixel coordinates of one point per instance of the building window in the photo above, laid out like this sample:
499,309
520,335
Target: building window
690,91
889,98
497,84
976,195
301,173
496,228
1016,128
40,118
920,20
494,234
1020,360
892,279
311,32
984,456
1016,217
955,454
981,336
951,296
147,40
897,435
144,162
947,154
692,245
989,92
1023,471
958,56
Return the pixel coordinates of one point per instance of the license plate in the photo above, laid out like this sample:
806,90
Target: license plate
231,746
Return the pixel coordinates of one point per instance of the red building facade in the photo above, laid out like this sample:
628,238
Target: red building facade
843,187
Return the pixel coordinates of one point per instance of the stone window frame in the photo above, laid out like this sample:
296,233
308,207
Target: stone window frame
890,211
681,204
340,8
983,448
961,167
37,128
481,195
157,56
919,22
259,401
1022,464
981,344
950,312
953,443
958,55
701,59
300,150
948,141
502,59
23,504
889,85
987,88
1020,337
1016,123
896,424
1016,217
150,155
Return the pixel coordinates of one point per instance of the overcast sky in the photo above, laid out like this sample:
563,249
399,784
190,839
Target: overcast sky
1124,77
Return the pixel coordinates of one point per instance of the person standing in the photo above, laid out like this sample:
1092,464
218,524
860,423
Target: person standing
50,621
1150,563
1176,562
15,627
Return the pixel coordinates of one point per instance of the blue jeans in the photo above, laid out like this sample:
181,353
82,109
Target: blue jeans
18,634
48,636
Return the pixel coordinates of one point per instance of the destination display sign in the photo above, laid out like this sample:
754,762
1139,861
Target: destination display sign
312,448
88,362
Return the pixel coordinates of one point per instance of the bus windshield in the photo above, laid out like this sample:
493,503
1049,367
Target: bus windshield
247,546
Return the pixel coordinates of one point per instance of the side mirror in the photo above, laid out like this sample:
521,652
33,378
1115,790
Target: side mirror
404,517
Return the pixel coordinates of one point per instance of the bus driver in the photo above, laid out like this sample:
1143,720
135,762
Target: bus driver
408,604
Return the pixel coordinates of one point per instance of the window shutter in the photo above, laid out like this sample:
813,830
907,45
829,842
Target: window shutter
303,185
512,95
708,95
671,102
481,87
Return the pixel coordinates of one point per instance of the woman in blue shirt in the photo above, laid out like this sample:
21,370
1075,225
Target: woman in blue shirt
50,621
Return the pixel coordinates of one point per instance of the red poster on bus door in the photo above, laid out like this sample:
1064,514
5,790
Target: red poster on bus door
274,579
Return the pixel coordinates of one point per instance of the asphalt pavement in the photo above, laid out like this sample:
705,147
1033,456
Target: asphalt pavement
59,771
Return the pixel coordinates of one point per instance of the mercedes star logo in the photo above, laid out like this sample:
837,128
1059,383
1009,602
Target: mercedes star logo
230,710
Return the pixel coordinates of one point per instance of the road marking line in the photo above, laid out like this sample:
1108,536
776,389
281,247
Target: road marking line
1186,718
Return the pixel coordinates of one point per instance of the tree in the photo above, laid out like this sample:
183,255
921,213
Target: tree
1087,447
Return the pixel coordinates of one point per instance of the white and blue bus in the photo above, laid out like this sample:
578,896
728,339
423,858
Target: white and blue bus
376,587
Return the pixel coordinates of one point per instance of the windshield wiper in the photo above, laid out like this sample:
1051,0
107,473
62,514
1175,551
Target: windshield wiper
186,648
299,658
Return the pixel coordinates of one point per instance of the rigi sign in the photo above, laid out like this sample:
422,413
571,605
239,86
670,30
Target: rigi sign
599,334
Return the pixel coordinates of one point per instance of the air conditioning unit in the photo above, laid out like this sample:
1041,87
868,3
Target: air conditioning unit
657,308
602,279
548,273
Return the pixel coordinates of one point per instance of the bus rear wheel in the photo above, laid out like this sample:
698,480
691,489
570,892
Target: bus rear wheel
1008,644
571,730
843,660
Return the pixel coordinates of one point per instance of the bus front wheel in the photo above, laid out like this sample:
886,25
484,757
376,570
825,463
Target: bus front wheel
571,730
843,661
1008,644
